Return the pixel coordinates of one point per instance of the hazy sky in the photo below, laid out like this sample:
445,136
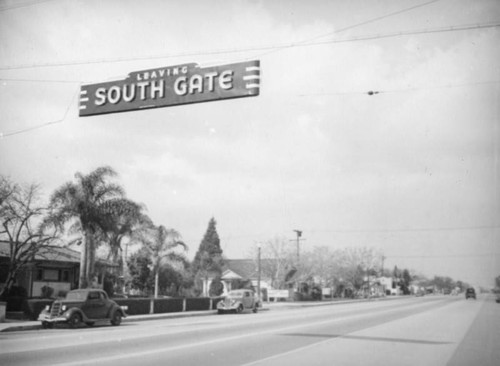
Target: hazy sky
413,170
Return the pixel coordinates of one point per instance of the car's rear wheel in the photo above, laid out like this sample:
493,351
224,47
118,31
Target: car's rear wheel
75,320
116,319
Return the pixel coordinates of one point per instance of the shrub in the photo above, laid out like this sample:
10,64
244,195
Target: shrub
47,292
136,306
14,303
198,303
33,307
168,305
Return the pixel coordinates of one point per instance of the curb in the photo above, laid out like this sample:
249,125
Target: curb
146,317
131,318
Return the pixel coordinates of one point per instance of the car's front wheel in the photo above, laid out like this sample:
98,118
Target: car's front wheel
116,319
75,320
239,309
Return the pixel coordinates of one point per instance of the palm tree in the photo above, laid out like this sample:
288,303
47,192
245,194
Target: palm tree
161,246
126,221
86,205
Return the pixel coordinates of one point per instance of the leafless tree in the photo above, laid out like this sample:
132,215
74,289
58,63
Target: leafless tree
24,227
277,260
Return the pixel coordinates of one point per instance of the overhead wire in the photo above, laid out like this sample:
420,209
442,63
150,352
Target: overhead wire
24,5
310,41
2,135
273,48
444,255
400,90
403,230
376,19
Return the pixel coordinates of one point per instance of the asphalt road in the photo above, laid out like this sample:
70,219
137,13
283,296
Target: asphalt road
409,331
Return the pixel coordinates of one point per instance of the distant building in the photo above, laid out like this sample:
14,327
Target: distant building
243,270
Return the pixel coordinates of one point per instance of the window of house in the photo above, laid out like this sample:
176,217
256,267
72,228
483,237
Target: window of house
54,275
51,275
65,276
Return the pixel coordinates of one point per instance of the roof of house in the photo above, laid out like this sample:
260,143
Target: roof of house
57,254
245,268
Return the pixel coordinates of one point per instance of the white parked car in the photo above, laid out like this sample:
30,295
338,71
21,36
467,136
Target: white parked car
237,301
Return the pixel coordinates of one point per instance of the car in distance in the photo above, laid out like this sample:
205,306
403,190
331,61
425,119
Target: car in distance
82,306
470,293
237,301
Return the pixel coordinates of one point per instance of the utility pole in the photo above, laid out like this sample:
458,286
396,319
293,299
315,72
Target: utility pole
382,275
259,273
299,234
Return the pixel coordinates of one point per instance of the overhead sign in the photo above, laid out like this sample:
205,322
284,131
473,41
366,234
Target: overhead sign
170,86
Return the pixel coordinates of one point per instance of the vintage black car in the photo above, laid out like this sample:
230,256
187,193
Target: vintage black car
470,293
82,306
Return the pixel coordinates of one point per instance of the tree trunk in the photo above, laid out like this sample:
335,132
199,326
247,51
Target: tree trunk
87,260
11,278
82,282
91,261
156,283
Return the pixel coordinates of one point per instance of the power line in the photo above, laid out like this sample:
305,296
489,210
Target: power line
310,41
472,83
444,255
403,230
2,135
24,5
372,20
256,48
41,81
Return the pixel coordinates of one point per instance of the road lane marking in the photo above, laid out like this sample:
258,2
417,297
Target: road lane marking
296,355
95,335
323,321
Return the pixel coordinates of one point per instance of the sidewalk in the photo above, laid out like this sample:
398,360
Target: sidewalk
11,325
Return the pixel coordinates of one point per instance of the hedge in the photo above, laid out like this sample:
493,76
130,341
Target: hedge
173,305
135,306
33,307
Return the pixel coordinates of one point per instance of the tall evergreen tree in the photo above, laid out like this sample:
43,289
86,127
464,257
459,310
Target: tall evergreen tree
208,260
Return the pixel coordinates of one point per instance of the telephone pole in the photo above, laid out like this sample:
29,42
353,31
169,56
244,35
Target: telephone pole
299,234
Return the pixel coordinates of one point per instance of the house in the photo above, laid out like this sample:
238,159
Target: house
243,270
389,285
56,268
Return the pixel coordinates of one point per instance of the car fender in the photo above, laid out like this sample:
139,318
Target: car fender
68,313
115,308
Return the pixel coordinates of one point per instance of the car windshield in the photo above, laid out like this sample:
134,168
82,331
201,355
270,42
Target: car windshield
76,295
238,293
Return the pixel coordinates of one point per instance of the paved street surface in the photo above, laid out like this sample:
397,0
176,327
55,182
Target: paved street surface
432,330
